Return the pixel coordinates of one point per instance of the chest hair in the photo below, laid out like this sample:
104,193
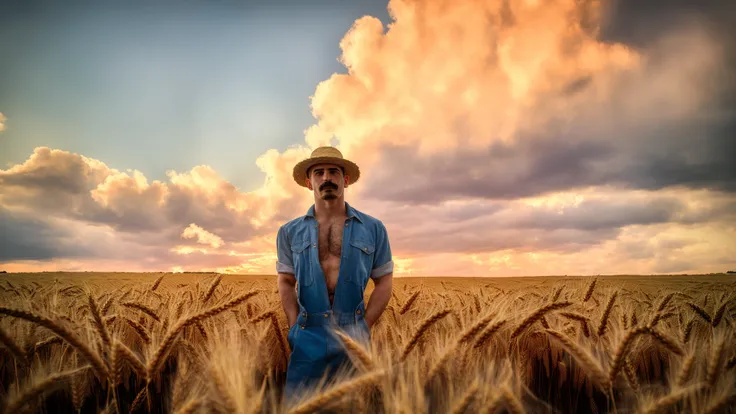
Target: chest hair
330,241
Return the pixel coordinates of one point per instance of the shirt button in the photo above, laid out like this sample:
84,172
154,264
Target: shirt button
301,326
314,245
304,314
327,315
346,224
358,311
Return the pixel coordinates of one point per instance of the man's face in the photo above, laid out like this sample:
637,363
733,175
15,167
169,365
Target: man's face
327,181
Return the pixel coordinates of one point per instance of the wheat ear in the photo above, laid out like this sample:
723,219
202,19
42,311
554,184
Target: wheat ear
464,403
408,303
473,330
336,393
190,407
606,313
99,323
512,402
14,349
589,292
714,364
718,405
35,391
97,365
425,325
211,288
686,370
583,357
139,329
123,353
156,283
538,314
618,356
719,314
700,311
668,342
356,351
665,403
488,332
143,308
169,339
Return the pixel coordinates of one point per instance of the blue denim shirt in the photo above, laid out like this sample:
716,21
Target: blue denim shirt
366,251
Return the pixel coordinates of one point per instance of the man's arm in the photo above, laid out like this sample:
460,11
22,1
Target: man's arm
287,291
382,275
379,298
286,280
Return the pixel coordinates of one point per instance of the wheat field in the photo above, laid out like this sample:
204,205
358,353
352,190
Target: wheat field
183,343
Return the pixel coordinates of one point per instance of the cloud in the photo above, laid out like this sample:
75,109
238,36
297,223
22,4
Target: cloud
494,137
2,122
202,236
468,100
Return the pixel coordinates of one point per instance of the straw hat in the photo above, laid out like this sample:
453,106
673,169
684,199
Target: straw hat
325,155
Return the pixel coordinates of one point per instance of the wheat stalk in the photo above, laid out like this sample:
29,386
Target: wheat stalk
336,393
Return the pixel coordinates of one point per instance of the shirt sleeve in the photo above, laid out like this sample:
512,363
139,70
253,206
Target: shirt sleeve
284,263
383,263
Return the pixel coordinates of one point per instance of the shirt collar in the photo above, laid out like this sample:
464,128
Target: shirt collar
351,212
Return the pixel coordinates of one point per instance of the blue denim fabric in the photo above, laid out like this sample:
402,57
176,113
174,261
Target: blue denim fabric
366,253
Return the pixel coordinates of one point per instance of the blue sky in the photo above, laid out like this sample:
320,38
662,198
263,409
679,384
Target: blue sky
167,86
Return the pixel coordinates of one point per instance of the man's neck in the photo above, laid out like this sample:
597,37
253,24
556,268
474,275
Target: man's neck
329,209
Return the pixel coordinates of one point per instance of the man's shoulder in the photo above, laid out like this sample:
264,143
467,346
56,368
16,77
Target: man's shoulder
293,223
368,219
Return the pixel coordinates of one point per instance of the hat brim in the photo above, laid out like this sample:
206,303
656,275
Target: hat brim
300,169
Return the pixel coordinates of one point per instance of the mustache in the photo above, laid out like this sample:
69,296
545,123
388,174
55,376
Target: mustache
328,184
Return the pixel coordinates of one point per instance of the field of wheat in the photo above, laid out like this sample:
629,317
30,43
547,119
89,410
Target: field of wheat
177,343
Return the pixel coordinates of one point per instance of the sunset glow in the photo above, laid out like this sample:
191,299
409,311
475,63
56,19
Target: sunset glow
494,138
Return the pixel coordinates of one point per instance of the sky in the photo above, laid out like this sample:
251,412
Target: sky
494,138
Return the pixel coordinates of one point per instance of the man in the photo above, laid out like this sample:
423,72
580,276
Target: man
325,259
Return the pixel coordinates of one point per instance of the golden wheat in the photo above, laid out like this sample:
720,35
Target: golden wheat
151,347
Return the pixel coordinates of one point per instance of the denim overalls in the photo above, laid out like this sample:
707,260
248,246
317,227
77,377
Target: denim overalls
316,351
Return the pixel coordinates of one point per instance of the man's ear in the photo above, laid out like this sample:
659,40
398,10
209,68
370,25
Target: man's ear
309,183
347,181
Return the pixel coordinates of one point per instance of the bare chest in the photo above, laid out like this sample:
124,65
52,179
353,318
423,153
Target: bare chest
330,240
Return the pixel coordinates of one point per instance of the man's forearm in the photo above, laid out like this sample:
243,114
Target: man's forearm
379,299
288,298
